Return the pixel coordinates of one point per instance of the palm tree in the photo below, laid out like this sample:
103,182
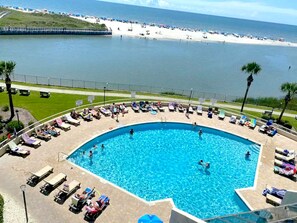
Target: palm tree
291,90
6,68
251,69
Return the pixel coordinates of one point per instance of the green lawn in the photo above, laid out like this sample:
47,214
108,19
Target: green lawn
20,19
41,108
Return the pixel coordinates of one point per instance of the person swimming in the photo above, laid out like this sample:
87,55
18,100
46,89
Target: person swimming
248,154
200,132
131,132
91,153
201,162
102,147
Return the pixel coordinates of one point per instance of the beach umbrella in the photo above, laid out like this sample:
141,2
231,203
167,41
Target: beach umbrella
147,218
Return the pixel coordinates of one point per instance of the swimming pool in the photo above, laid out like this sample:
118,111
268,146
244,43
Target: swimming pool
161,161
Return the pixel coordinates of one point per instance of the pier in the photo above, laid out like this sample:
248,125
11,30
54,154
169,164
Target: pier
51,31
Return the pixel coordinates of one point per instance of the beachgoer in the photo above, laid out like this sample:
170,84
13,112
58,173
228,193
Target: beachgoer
102,147
131,132
200,132
91,153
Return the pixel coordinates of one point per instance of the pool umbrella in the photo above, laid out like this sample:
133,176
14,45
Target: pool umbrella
147,218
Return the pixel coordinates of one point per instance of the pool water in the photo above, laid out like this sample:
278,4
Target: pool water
160,161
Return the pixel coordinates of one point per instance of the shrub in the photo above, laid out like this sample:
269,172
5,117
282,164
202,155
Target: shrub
5,108
14,125
2,138
1,208
30,123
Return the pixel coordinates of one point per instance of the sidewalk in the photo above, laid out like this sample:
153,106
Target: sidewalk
155,98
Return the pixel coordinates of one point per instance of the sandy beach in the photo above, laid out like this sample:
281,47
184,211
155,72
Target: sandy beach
157,32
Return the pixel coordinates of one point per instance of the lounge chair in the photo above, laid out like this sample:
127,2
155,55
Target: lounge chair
95,114
71,120
190,109
284,164
209,114
287,171
78,201
180,108
135,106
273,200
14,149
30,141
284,152
62,124
233,119
153,107
242,120
105,111
41,134
221,115
123,109
160,107
143,107
263,128
86,115
288,158
67,190
171,107
51,130
50,185
94,209
39,175
199,110
253,123
272,132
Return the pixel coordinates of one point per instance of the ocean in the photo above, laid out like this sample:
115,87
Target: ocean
203,67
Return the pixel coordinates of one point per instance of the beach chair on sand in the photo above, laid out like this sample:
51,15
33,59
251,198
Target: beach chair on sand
50,185
95,208
39,175
62,124
67,190
41,134
14,149
221,115
284,152
242,120
30,141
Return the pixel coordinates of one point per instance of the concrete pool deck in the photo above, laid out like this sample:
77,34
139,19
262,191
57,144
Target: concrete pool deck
124,206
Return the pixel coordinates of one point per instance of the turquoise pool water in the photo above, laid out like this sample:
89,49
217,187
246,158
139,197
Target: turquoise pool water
161,161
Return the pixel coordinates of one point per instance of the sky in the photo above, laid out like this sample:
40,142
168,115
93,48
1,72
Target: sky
277,11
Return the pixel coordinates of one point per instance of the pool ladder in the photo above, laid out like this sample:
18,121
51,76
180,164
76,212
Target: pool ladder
163,119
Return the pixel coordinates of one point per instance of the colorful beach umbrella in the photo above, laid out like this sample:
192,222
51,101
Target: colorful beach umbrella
147,218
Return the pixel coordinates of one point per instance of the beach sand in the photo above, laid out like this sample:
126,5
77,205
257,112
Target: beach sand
161,33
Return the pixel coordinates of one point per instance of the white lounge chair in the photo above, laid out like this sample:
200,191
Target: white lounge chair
53,183
199,110
104,111
171,107
62,124
285,158
285,152
71,120
30,141
233,119
221,115
39,175
273,199
67,190
17,150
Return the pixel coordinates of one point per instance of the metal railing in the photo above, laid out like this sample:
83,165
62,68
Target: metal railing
271,215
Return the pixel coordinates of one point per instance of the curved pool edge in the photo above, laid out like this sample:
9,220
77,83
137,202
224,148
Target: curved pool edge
170,200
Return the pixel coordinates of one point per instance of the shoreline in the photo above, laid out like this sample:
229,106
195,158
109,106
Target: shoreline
157,32
124,28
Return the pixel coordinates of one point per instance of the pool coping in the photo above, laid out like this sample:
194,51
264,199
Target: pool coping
151,203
